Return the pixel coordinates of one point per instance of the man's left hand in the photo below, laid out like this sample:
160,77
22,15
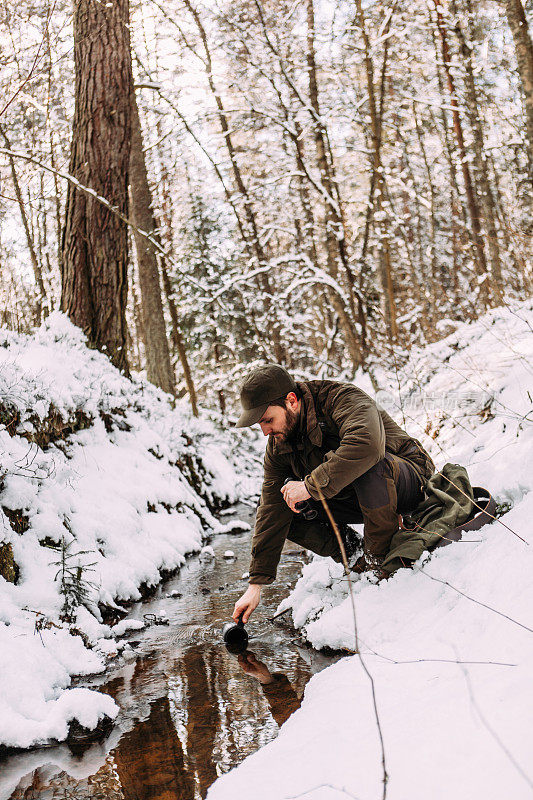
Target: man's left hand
294,492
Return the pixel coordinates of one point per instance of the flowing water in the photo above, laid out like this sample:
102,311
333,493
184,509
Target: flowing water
189,711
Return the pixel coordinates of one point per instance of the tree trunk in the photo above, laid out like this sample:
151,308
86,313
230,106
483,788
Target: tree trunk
377,183
95,240
178,341
481,263
516,17
334,233
158,367
480,165
42,302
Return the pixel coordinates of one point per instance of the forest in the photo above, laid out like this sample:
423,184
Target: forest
202,203
319,184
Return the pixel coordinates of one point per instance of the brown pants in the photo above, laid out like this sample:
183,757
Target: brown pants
375,499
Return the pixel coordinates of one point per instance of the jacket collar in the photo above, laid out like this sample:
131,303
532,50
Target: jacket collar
308,426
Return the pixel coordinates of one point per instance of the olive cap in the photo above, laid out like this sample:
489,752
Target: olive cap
262,386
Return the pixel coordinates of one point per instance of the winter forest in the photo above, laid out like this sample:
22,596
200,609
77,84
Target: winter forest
316,184
192,189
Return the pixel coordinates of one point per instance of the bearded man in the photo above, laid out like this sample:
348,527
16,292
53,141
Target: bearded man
333,435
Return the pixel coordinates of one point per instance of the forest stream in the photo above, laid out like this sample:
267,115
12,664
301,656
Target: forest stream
188,710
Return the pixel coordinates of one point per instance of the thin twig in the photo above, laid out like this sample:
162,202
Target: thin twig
321,786
358,653
478,602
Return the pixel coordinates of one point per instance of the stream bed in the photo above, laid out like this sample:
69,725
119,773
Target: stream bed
189,711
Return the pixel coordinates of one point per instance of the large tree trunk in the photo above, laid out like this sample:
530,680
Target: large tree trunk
95,240
158,367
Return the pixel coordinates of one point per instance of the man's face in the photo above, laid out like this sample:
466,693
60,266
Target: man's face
278,422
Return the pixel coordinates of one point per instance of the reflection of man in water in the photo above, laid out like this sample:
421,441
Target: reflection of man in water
281,697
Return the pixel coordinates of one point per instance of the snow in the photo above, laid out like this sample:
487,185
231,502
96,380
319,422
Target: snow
449,645
452,677
118,492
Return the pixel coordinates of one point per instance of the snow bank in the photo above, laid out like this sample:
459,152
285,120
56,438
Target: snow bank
104,465
452,677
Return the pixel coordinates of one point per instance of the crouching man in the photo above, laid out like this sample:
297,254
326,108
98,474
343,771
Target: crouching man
331,434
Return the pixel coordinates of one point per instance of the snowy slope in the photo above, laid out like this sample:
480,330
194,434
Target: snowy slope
452,677
130,491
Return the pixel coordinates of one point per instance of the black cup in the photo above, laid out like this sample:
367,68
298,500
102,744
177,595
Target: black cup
235,637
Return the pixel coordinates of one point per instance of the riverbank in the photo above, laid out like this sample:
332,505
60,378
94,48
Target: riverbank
105,489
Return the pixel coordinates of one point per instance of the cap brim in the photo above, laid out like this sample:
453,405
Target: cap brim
251,416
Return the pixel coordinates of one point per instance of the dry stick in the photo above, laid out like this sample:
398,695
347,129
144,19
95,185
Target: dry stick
478,602
361,659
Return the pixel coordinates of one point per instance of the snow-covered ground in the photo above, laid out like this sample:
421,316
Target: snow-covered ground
449,645
130,492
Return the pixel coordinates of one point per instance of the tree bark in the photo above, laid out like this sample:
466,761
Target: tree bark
178,341
158,367
95,240
516,17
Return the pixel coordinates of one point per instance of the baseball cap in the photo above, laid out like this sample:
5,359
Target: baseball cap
263,385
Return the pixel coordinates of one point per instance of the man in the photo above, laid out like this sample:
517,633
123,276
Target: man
332,435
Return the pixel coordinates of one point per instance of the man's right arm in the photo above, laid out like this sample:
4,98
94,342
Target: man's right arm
272,524
272,521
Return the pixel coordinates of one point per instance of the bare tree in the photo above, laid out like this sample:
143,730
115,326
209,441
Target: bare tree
516,17
158,367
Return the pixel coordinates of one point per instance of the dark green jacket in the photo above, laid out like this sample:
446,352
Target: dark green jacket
341,435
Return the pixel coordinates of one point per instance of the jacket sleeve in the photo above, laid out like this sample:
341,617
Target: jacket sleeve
362,444
272,520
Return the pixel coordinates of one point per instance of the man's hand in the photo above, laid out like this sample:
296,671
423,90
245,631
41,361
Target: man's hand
294,492
247,603
252,666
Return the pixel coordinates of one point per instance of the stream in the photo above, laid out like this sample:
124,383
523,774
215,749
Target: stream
188,710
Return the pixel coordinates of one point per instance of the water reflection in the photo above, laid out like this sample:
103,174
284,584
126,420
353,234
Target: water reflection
278,690
150,761
190,710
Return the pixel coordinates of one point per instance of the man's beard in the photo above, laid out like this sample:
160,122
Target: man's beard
290,427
